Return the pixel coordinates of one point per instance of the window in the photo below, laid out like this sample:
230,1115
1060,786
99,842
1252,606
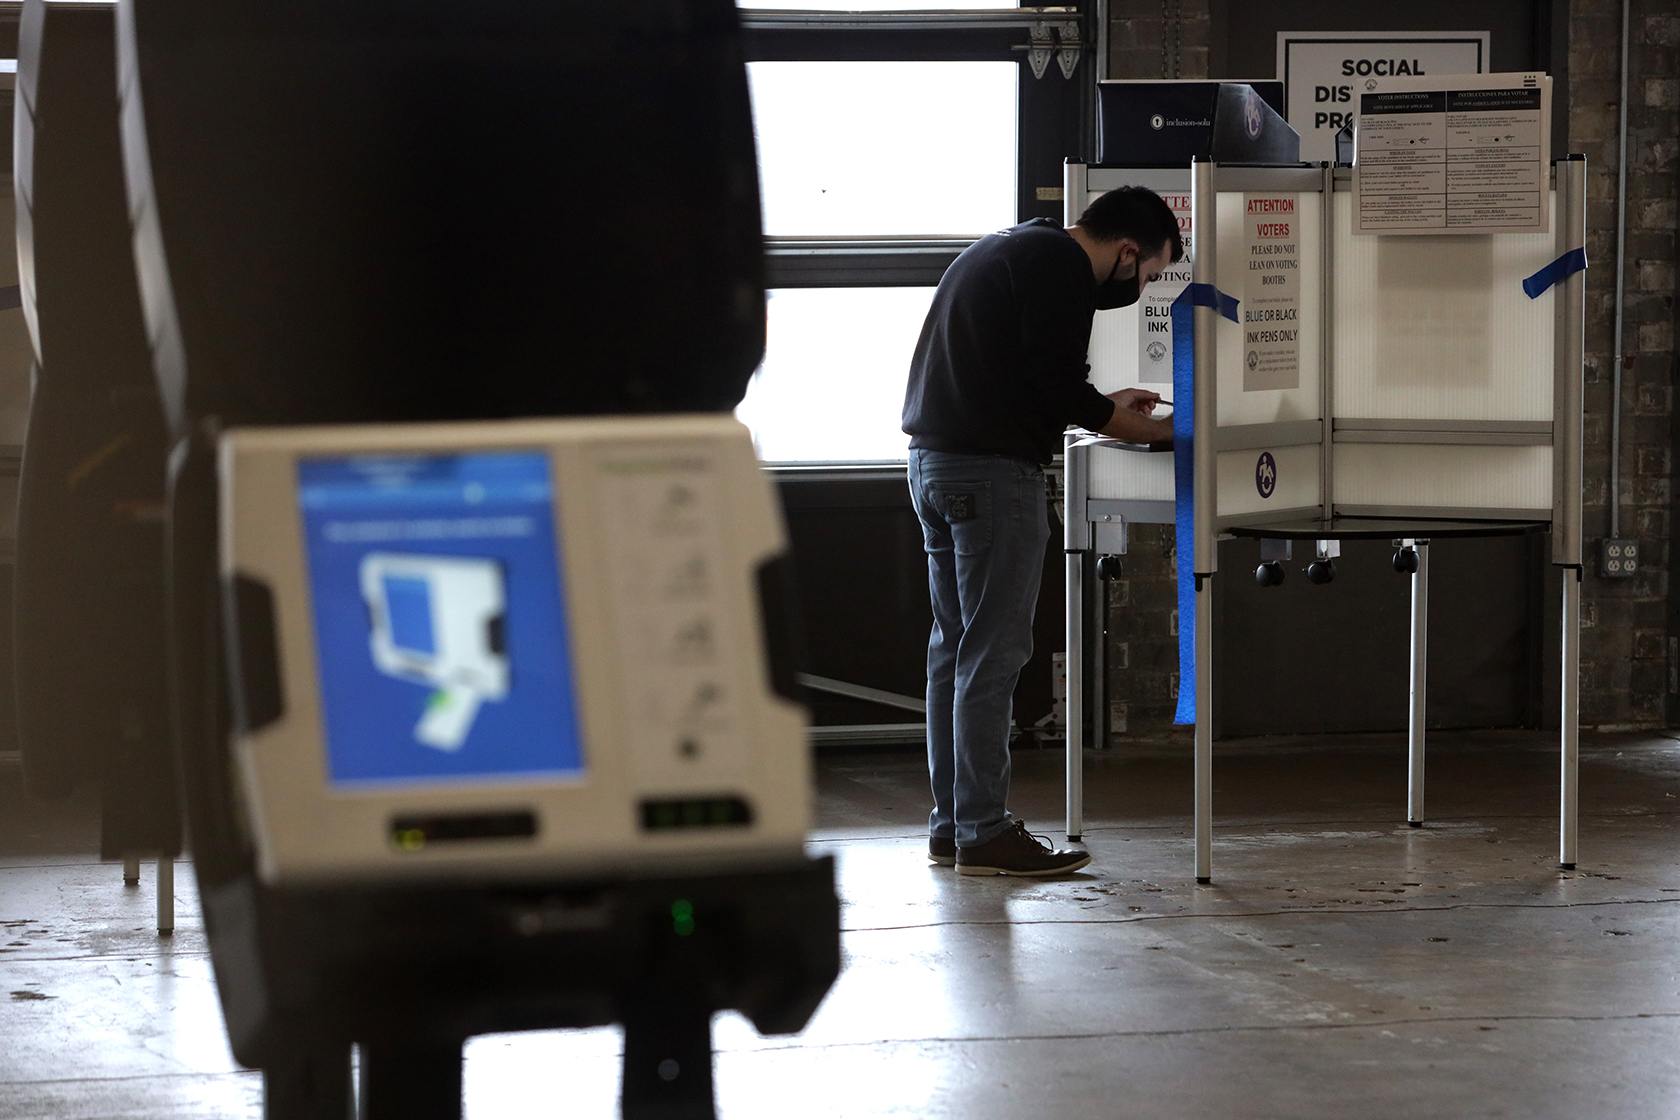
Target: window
889,140
832,383
867,149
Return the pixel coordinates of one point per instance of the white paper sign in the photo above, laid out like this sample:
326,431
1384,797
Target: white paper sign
1322,71
1155,346
1468,154
1271,304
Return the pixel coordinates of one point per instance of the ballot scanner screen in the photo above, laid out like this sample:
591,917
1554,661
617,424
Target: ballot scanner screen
440,627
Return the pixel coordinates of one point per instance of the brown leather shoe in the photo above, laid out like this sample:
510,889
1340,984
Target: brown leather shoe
942,850
1015,851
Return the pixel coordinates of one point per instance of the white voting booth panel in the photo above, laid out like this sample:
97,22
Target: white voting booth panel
512,649
1442,387
1385,479
1115,364
1439,328
1450,395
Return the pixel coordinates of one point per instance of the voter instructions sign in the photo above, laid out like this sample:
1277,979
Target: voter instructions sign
1323,73
1460,154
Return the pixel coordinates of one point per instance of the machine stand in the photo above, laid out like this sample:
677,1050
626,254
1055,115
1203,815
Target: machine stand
315,1083
1419,683
406,1081
667,1061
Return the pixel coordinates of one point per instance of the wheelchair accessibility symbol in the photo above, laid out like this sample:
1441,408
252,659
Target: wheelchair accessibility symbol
1265,474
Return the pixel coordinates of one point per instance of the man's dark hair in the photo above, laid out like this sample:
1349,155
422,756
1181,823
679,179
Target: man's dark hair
1138,213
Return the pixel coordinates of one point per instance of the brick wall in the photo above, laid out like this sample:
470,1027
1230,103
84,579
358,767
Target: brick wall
1631,645
1626,643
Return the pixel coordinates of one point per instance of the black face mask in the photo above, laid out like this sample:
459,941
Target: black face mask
1112,293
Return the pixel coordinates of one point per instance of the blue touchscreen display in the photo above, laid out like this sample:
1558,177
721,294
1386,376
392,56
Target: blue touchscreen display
440,627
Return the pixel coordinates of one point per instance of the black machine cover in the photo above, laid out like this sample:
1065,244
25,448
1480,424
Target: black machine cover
398,210
89,591
1167,124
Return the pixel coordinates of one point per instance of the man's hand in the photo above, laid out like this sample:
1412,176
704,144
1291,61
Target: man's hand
1137,400
1132,421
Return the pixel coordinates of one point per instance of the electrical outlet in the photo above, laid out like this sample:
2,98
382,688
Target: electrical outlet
1619,559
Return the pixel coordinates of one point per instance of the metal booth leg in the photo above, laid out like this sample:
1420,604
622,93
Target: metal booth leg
668,1062
1204,729
1570,809
1420,685
131,871
1075,695
165,895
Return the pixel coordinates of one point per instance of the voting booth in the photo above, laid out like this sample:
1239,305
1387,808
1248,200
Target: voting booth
481,630
1421,379
88,594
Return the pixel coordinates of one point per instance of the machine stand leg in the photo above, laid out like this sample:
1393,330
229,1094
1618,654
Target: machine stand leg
313,1084
1204,729
165,896
131,871
1075,695
1570,806
1419,686
406,1081
668,1061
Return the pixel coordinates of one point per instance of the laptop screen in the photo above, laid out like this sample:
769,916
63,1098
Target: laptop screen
440,627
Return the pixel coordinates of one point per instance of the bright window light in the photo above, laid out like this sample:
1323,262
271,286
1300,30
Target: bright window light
885,149
831,388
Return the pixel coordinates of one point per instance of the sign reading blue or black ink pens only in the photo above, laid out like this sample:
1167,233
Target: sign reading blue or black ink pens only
1265,474
1271,293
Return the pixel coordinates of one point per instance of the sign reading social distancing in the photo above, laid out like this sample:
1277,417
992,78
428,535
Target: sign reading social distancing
1323,73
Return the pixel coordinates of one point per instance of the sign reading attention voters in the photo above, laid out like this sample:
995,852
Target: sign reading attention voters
1322,72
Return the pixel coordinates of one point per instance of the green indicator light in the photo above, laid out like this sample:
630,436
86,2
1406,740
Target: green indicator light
410,839
682,917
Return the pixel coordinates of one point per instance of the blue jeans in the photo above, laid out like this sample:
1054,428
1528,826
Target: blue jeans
984,527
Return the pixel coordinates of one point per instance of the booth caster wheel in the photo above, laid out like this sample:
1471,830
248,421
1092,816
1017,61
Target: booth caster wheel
1269,574
1321,571
1109,567
1406,561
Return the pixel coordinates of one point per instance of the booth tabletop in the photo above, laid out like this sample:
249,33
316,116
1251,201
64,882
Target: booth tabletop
1380,528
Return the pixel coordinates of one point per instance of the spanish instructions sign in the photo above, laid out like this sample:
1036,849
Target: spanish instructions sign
1271,305
1468,154
1322,71
1155,343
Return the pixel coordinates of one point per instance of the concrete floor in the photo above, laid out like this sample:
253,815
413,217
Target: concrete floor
1341,964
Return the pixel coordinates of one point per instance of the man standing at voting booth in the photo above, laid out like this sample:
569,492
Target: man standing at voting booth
999,374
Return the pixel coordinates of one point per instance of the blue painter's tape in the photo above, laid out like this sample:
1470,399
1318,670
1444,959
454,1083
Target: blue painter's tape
1556,273
1184,497
1184,475
1206,295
